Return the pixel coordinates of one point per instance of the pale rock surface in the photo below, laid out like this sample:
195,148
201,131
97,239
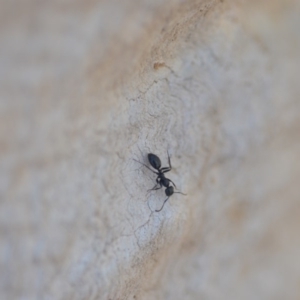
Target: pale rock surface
88,86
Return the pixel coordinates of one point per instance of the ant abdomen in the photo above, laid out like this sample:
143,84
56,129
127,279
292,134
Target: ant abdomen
154,161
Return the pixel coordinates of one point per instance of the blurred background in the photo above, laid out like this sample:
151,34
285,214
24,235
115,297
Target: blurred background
86,86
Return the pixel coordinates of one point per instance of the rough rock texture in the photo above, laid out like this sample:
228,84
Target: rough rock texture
87,86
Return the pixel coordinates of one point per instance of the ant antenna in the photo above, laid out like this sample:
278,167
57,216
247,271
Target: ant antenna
180,193
158,210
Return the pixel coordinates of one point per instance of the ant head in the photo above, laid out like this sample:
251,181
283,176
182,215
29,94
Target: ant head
154,161
169,191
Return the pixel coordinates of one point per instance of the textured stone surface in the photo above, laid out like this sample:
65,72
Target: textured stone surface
87,86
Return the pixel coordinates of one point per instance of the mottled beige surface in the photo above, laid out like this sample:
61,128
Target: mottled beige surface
87,86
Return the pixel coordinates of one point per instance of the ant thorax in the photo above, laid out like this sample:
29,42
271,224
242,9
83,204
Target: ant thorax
164,181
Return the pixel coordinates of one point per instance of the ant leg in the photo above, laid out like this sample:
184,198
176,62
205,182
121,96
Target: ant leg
145,166
169,160
156,188
158,210
167,169
173,183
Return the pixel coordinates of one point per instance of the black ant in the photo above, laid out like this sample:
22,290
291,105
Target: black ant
161,180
